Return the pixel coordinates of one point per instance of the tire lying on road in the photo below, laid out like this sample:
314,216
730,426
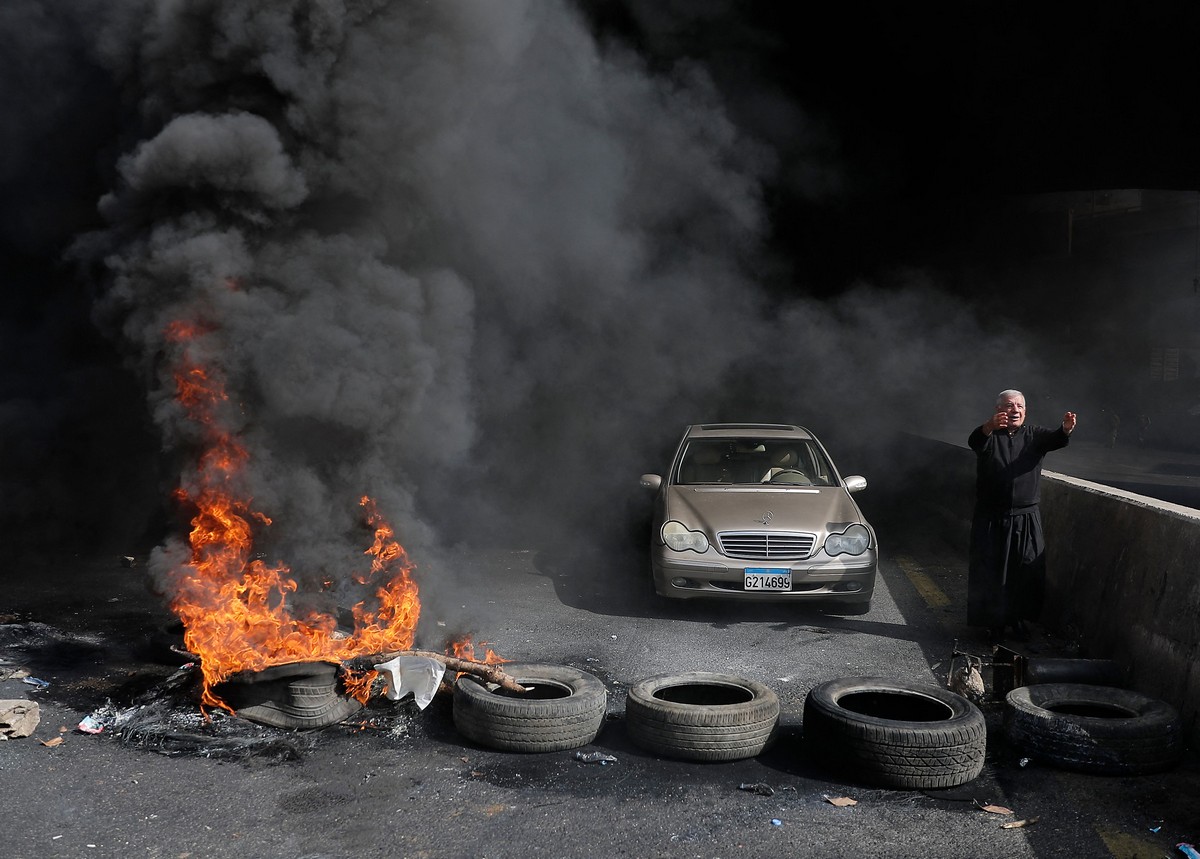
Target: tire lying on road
895,734
296,695
701,716
1091,728
563,709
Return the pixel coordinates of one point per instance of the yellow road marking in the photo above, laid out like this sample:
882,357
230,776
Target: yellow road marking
929,592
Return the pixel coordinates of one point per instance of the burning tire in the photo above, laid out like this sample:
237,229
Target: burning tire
895,734
298,695
701,716
1097,729
564,709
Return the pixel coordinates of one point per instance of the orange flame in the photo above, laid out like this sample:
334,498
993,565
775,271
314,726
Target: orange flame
464,648
235,609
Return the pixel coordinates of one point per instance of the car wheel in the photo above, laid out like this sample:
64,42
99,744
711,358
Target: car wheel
563,709
1098,729
895,734
701,716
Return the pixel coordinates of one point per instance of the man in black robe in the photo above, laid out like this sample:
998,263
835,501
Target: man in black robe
1006,578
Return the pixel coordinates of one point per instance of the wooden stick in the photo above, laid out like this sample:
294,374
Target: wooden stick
492,673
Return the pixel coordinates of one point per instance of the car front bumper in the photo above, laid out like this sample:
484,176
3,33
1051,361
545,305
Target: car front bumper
842,579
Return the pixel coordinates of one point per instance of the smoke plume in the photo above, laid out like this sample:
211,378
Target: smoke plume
472,261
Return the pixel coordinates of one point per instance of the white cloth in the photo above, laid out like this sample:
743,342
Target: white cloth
418,676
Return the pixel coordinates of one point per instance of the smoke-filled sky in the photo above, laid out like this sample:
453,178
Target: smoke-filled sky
483,261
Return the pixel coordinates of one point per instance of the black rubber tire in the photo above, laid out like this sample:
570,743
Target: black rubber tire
1094,672
1092,728
895,734
564,709
298,695
701,716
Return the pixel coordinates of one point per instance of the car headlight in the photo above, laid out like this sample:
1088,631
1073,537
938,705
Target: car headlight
853,541
680,539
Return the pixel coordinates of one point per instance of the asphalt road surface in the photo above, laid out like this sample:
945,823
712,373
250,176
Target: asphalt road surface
398,782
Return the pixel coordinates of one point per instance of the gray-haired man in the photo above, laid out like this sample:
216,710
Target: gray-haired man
1006,578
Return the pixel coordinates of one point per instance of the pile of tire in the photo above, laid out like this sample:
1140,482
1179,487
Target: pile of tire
893,733
701,716
562,709
878,730
1095,729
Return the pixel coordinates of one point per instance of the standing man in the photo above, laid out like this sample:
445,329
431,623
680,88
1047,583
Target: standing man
1007,575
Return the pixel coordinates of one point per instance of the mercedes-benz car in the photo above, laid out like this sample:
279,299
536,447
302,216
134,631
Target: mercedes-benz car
760,512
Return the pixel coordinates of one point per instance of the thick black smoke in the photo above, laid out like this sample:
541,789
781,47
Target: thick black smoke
451,256
467,258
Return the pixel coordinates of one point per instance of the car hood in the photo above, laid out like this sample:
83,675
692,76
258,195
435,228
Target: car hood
734,508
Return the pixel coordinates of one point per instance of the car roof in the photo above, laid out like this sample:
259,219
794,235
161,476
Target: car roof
759,430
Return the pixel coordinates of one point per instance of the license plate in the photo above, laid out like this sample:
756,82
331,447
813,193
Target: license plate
767,579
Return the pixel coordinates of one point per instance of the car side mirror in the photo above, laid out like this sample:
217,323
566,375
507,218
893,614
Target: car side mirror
651,481
855,483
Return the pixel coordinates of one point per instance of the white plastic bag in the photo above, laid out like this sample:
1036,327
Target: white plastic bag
418,676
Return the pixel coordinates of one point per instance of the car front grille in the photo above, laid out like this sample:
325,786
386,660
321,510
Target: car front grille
765,545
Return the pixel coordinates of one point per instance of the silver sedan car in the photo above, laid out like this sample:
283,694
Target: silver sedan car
759,512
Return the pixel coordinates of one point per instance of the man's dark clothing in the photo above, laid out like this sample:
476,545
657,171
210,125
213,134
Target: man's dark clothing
1006,578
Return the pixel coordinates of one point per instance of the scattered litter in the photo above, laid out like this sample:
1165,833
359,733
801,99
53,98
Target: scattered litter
419,675
1024,762
1021,824
33,681
90,725
595,758
127,560
18,718
759,787
1188,850
994,809
775,821
613,637
164,719
839,801
965,678
107,716
57,741
1156,829
12,673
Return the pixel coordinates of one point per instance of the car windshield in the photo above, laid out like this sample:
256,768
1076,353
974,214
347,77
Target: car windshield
795,462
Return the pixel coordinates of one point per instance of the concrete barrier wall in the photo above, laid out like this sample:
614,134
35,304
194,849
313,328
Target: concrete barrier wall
1123,580
1123,573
